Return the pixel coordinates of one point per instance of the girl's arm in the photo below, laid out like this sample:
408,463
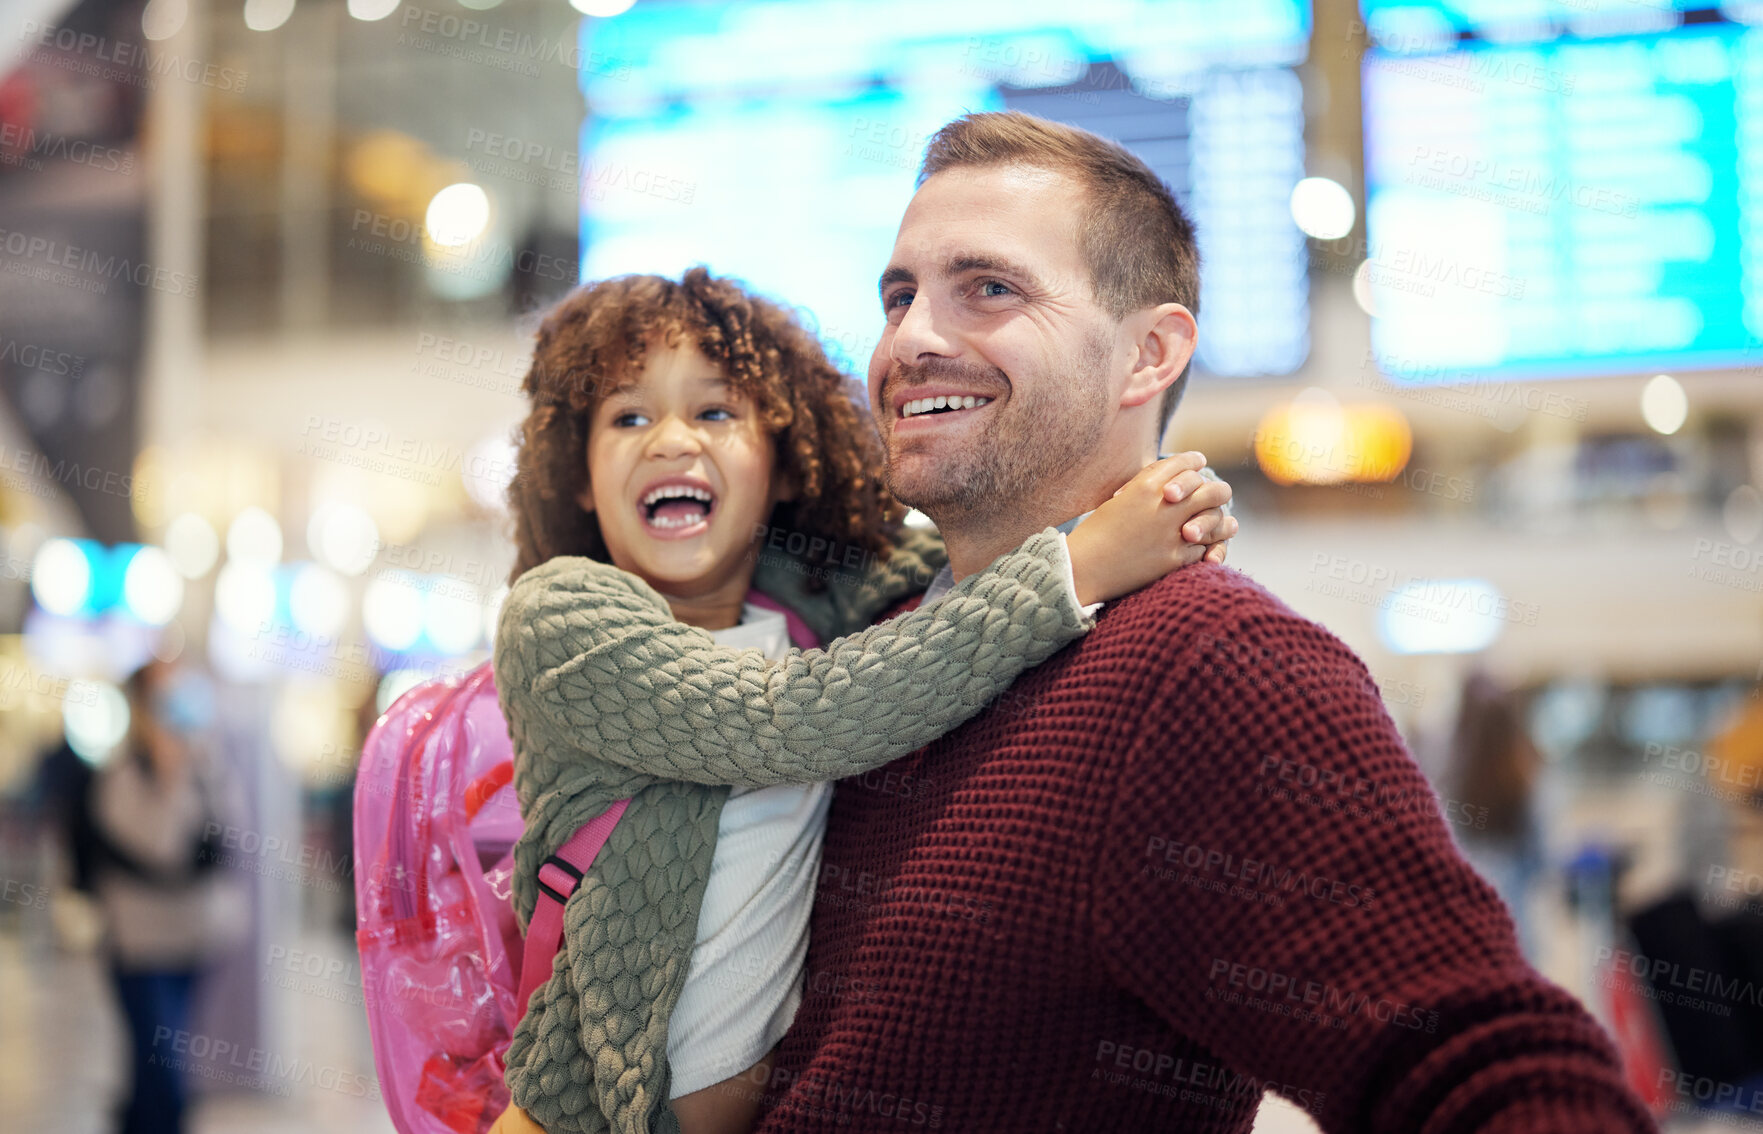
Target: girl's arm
590,662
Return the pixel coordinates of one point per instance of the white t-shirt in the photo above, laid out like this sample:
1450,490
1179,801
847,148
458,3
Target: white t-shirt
744,982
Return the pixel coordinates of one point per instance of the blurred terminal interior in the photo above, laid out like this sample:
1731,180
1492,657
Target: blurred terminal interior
1481,353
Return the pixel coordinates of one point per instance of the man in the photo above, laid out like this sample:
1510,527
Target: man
1188,859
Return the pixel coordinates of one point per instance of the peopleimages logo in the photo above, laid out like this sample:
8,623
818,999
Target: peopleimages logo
29,356
1672,982
128,57
94,268
1330,1003
1266,877
22,146
228,1062
1158,1072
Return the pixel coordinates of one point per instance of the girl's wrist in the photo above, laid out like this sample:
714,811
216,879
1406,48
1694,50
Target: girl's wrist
1087,580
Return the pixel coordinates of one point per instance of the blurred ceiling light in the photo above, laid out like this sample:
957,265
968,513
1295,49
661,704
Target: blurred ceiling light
371,10
148,498
1664,405
343,536
1443,616
1743,513
1323,208
96,717
458,214
61,577
244,597
391,610
488,470
192,544
1362,294
254,537
163,19
390,168
169,646
1315,440
304,724
479,5
602,8
453,617
318,602
267,15
400,508
152,589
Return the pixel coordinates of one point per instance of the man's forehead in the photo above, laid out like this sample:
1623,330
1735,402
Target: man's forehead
1008,214
1019,187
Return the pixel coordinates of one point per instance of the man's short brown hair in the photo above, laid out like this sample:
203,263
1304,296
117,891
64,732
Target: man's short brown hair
1138,243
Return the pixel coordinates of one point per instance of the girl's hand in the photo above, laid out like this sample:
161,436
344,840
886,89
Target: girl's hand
1167,516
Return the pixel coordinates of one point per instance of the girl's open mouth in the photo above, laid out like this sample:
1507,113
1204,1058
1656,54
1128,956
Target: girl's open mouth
677,510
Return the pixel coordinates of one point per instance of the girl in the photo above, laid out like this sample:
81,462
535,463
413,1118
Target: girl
677,431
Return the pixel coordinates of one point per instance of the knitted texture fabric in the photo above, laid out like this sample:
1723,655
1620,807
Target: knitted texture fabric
1185,861
607,697
856,593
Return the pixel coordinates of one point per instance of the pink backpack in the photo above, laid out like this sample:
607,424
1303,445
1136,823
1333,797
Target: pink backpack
445,973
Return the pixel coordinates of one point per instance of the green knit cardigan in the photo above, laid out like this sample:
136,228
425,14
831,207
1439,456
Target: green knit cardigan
607,698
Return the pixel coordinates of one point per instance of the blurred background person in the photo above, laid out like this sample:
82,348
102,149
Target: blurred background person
1490,791
170,906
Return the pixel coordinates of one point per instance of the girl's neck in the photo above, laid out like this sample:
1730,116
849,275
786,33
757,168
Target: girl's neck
714,606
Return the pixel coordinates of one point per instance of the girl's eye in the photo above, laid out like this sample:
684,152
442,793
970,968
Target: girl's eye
629,418
718,413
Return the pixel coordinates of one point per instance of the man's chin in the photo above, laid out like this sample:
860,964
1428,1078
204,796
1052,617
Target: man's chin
922,482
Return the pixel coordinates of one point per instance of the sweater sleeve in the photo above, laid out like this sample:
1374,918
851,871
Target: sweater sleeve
1276,879
591,658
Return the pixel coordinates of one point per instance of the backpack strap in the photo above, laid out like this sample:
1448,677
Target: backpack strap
559,875
800,635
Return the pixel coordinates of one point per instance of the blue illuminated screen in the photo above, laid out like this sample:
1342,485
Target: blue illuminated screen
1407,25
778,141
1581,206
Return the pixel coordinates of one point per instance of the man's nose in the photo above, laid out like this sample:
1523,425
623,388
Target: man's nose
673,437
920,335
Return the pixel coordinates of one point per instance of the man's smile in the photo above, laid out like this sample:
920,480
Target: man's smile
919,407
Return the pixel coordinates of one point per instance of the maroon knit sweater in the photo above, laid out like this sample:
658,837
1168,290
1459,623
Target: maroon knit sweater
1185,860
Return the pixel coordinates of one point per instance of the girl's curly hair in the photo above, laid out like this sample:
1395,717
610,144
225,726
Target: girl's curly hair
598,336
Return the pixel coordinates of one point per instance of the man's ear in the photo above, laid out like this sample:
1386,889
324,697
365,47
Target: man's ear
1164,337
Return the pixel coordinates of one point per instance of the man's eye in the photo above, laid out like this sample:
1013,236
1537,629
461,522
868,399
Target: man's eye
629,418
898,299
1003,288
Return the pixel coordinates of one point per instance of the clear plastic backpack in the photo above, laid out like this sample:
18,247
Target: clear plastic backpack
445,971
442,956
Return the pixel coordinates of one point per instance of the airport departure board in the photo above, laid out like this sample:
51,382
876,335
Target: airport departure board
1581,204
777,140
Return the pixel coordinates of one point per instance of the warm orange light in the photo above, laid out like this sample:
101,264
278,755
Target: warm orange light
1316,440
391,169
